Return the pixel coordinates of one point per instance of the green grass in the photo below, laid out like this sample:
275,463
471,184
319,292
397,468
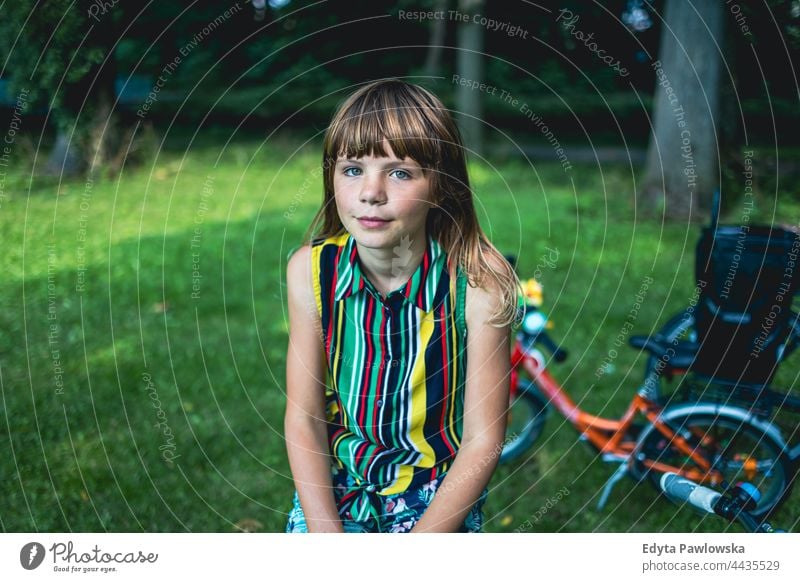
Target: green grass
88,457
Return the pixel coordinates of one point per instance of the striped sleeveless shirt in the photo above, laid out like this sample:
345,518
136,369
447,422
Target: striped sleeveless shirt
396,370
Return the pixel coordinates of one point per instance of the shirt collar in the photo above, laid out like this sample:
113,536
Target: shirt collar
420,289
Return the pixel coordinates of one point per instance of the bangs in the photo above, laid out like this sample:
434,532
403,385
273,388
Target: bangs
408,121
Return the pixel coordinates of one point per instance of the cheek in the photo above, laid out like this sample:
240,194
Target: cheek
345,192
341,208
416,208
425,196
339,196
421,200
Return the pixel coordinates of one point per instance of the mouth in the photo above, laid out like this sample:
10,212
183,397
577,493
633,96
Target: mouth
373,222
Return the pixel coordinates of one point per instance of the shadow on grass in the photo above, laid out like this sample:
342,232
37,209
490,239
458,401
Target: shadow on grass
146,394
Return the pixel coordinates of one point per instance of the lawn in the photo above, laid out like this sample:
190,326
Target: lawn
144,334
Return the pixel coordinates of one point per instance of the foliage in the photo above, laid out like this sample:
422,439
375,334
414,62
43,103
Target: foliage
55,52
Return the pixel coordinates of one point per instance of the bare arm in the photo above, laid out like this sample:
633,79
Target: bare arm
305,423
485,405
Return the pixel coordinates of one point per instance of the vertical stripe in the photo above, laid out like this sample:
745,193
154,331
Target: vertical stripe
381,434
410,344
365,382
456,353
418,409
446,373
337,362
315,253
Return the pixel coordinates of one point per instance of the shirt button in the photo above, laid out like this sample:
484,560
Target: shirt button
380,402
370,488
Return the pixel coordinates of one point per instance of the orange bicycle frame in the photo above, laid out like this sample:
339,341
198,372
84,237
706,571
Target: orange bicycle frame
606,435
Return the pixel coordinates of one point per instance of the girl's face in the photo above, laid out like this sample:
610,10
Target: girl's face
380,200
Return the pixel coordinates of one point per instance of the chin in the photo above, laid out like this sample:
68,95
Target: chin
375,239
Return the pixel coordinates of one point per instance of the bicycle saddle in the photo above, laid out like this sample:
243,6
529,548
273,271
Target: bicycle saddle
679,355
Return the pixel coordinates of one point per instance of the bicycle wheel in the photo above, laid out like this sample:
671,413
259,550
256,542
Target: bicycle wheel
526,417
738,448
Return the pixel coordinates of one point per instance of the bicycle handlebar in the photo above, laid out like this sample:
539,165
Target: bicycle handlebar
731,507
559,355
683,490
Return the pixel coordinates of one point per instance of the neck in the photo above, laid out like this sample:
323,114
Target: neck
389,269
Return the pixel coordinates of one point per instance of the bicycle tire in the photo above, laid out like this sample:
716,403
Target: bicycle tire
527,415
739,447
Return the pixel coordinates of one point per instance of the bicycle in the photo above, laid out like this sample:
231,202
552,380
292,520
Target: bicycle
710,443
728,345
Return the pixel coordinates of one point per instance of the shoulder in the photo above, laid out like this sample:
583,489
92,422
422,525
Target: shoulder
301,260
299,281
299,264
484,300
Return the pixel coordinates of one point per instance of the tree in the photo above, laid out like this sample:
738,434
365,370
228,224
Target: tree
433,61
62,53
682,165
469,65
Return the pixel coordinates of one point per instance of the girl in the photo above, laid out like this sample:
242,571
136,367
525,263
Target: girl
400,299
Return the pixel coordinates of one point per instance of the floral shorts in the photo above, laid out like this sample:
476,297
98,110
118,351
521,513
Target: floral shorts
397,513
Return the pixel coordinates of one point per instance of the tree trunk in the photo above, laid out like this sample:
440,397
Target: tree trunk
66,158
470,66
87,114
433,60
94,143
682,159
103,134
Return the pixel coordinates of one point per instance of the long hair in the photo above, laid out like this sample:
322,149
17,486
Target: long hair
415,124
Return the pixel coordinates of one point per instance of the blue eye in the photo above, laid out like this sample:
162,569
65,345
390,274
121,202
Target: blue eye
346,170
405,175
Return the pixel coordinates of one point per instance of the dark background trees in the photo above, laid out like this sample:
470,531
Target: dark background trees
92,65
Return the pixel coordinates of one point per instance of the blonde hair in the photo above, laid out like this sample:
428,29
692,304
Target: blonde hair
415,124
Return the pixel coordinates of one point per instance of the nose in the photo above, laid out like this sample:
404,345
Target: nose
373,188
